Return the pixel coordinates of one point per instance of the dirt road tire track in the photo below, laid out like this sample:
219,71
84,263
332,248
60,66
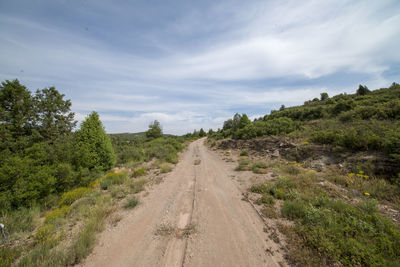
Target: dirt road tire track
228,232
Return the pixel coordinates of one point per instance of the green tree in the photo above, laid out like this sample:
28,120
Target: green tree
236,121
93,145
244,121
363,90
155,130
53,115
324,96
228,124
282,108
16,113
202,133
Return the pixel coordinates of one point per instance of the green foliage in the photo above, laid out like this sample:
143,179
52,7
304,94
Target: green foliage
112,179
363,90
324,96
137,150
165,167
259,167
351,235
136,172
131,203
93,145
202,133
259,189
44,233
243,165
56,214
69,197
244,153
154,130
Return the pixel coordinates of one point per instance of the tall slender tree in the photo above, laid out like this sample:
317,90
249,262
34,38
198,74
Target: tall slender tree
93,145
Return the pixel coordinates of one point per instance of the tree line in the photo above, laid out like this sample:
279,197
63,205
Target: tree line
41,155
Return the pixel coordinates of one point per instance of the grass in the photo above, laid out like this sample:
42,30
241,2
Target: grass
244,153
243,165
112,179
165,167
136,172
69,197
53,243
131,203
259,167
137,186
329,230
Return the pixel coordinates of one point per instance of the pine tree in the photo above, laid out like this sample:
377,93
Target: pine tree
93,145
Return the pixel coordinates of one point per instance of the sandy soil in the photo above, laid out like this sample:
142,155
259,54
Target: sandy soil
196,217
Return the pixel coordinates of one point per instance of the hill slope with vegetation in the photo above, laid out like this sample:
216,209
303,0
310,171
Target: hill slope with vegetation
327,176
367,121
57,186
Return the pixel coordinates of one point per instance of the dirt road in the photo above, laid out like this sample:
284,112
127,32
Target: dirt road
196,217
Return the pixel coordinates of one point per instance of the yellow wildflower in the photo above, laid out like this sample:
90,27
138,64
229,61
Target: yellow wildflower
367,194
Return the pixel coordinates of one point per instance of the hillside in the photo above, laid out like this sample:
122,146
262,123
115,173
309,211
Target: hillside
324,176
365,124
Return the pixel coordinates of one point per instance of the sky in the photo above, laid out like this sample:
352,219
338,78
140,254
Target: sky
193,64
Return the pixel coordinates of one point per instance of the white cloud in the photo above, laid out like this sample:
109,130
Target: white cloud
198,83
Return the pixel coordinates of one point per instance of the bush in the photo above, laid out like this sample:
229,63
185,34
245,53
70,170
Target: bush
165,167
259,167
259,189
44,233
244,153
266,199
61,212
137,185
112,178
293,209
69,197
243,165
138,172
131,203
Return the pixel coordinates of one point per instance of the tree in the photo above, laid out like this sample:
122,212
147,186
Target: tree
93,145
16,110
244,121
202,133
236,121
228,124
53,116
362,90
154,130
282,108
324,96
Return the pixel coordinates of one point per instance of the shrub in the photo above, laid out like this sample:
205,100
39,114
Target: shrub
44,233
266,199
138,172
293,209
131,203
69,197
165,167
244,153
137,185
243,165
61,212
112,178
21,220
259,189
